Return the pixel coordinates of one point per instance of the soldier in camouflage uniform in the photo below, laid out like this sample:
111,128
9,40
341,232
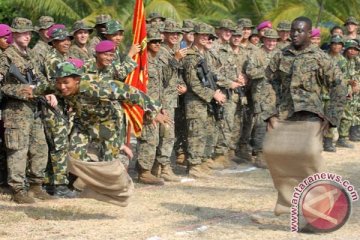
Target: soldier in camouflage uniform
115,32
298,73
80,48
352,78
26,147
283,30
351,24
5,34
58,129
155,17
100,27
255,38
188,33
42,47
259,90
200,124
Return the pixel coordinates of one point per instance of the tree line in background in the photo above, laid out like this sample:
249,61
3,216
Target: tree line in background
332,12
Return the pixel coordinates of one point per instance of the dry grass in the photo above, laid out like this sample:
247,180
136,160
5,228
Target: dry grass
230,206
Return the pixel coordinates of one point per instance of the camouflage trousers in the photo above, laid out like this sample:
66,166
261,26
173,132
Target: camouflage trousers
258,133
180,144
225,129
200,138
96,143
27,153
238,126
147,145
3,165
346,122
166,140
57,131
248,122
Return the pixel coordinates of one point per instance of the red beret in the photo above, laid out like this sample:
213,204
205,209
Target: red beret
78,63
315,32
265,24
4,30
105,46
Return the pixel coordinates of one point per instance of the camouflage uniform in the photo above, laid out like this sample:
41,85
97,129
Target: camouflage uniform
25,142
100,20
42,48
57,128
352,20
283,26
96,133
75,50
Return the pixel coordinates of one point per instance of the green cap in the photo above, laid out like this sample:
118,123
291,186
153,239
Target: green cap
154,15
65,69
153,34
102,19
351,44
351,20
238,31
188,25
80,25
203,28
112,27
336,39
60,34
171,26
271,33
245,22
284,26
227,24
20,25
45,22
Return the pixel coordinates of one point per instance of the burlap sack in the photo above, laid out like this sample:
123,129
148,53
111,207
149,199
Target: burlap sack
293,152
103,181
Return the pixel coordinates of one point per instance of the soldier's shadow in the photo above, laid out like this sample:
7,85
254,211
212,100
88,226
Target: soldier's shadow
48,213
214,216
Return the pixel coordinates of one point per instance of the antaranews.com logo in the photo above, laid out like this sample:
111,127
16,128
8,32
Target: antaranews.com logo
321,203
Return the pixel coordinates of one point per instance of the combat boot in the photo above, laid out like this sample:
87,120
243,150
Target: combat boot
196,171
243,154
62,191
22,197
156,169
181,159
211,164
36,191
260,161
354,133
5,189
328,145
342,142
168,175
146,177
224,161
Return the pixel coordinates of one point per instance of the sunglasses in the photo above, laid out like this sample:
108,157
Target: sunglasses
156,41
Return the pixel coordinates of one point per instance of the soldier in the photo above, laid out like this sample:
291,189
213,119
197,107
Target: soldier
259,90
298,73
262,27
26,147
351,24
283,30
5,35
188,33
100,27
115,32
42,47
173,87
81,34
197,99
155,17
255,37
335,53
316,36
352,78
58,129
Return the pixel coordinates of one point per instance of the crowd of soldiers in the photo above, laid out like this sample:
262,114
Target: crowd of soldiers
207,98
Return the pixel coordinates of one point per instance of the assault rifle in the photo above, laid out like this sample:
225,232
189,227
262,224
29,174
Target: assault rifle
30,79
208,79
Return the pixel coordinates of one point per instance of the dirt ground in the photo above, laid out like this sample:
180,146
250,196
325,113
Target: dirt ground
230,206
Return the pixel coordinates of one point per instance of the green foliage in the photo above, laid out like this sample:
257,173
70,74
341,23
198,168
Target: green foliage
8,11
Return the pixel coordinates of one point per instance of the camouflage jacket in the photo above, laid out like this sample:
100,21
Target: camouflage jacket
41,48
76,52
171,76
352,69
53,58
197,96
92,44
155,88
17,107
299,77
122,65
280,45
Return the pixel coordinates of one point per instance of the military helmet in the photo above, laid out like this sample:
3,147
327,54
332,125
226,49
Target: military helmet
80,25
66,69
102,19
20,25
352,43
284,26
171,26
154,15
271,33
245,23
113,26
352,20
45,22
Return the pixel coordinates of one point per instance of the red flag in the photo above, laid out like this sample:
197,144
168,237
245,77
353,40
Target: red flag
139,77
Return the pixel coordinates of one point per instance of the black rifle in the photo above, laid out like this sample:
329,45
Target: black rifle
30,79
208,79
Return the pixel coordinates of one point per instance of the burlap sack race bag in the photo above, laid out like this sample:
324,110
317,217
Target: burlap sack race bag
293,152
103,181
